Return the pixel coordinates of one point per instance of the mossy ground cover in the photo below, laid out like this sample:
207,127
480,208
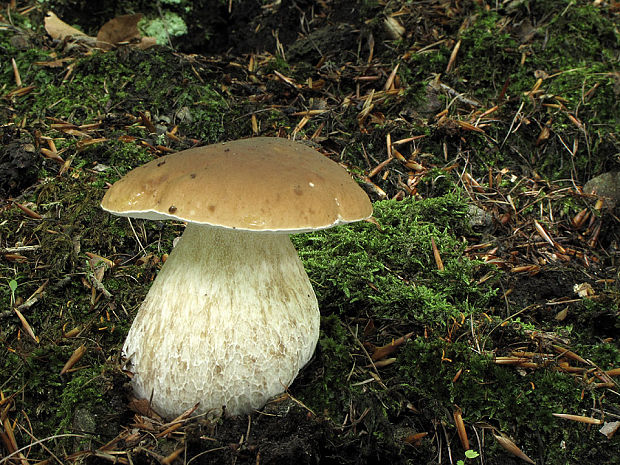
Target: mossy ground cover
511,122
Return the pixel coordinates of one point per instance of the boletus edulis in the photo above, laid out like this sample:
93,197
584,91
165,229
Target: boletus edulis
231,317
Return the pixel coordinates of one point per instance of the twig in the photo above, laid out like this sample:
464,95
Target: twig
136,236
163,20
99,286
23,248
206,452
47,449
365,351
458,95
443,427
40,441
512,125
33,300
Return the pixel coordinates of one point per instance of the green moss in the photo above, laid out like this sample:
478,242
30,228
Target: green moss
491,50
493,47
497,395
117,82
488,55
598,318
71,225
84,388
56,397
387,273
576,26
389,269
327,394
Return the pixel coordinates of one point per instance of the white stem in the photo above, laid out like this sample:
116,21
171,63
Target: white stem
229,321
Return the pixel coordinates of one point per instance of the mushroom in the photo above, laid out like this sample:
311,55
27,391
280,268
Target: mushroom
231,317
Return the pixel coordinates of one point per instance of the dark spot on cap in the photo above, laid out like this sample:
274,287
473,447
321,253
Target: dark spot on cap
211,208
226,150
172,209
193,175
298,190
161,162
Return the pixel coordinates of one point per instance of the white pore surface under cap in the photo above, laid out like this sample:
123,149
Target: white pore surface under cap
228,322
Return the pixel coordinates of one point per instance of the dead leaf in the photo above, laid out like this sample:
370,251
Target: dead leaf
460,428
415,439
28,211
26,325
562,314
8,437
117,30
95,259
436,254
143,407
511,447
173,456
610,428
146,42
384,351
394,28
613,372
120,29
75,357
15,257
469,127
568,354
583,290
55,63
58,29
579,418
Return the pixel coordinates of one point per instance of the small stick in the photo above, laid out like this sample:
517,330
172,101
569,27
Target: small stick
18,78
383,351
455,51
579,418
436,254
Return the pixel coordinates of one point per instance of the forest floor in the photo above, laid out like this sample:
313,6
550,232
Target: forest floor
481,300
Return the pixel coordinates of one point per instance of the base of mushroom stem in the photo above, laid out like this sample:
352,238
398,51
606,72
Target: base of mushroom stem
228,322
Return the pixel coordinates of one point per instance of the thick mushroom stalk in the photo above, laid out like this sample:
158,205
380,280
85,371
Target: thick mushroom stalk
229,321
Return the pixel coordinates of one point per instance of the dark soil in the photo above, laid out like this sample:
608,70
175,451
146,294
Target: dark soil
19,164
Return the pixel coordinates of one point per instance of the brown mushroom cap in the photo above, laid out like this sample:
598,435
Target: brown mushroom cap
259,184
